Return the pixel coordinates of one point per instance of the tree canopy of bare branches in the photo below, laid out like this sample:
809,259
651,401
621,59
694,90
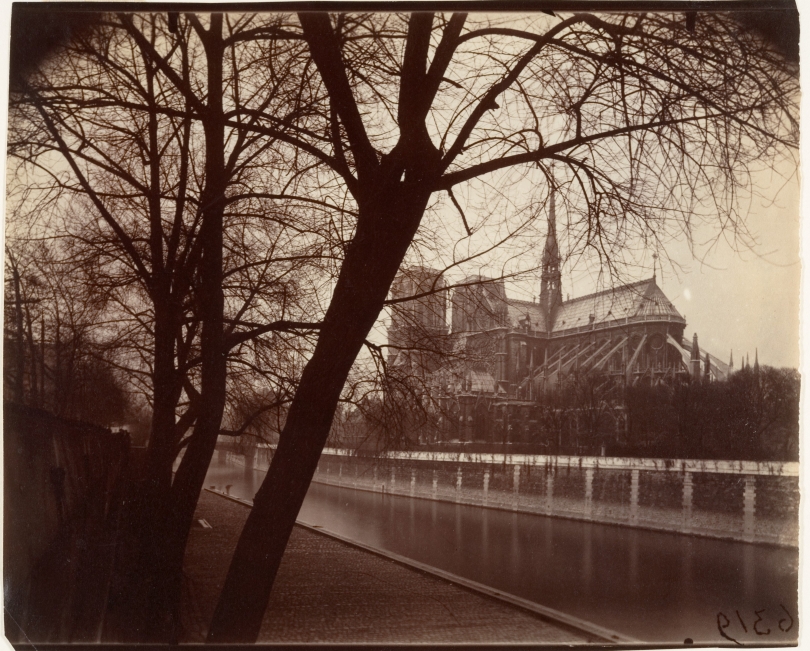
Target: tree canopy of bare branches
651,126
230,166
187,233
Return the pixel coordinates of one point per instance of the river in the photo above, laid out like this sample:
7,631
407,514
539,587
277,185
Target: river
659,588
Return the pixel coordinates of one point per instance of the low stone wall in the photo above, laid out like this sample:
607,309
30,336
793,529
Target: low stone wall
735,500
62,480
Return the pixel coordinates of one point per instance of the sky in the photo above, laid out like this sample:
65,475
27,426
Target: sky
741,301
744,301
747,301
736,301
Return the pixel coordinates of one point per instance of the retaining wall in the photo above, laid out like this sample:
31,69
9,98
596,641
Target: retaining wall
753,502
61,479
739,500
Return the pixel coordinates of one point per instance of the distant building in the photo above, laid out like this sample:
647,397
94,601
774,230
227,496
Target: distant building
418,330
503,355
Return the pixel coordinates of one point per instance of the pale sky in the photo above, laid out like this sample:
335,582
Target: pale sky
736,301
745,301
741,300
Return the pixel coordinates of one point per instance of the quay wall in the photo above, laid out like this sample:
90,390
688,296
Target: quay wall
62,480
736,500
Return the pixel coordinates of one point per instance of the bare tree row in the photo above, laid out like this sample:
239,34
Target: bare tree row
243,189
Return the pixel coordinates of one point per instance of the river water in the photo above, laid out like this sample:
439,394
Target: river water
652,586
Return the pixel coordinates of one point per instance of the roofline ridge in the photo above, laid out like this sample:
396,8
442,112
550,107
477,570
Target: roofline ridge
484,278
607,291
420,267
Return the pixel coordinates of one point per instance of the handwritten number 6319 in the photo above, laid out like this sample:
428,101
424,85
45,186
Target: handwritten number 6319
723,622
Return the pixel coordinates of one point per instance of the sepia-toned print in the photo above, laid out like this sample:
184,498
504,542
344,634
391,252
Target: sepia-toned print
384,326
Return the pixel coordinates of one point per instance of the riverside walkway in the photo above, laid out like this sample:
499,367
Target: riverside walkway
329,591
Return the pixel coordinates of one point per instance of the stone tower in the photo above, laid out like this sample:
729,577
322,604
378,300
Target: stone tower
419,325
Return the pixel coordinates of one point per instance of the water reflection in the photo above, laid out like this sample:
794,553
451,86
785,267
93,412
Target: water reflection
249,477
749,571
657,587
587,569
515,547
458,528
485,532
632,548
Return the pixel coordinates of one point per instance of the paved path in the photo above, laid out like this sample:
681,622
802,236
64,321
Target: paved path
330,591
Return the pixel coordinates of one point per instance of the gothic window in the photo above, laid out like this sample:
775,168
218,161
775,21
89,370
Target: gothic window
657,351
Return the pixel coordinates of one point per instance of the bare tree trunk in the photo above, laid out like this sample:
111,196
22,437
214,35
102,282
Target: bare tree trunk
148,575
19,383
392,194
34,389
188,481
156,489
42,397
379,245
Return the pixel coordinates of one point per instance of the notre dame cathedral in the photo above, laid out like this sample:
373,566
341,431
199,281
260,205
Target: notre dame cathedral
500,358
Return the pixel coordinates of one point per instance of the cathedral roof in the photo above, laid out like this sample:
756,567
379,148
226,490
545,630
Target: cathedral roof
640,299
481,381
517,311
643,299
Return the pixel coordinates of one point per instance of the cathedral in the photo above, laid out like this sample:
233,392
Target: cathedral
501,357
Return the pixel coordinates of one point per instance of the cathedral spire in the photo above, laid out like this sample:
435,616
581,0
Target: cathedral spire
756,360
551,276
731,360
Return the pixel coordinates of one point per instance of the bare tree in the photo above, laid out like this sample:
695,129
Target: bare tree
647,118
52,324
201,265
653,123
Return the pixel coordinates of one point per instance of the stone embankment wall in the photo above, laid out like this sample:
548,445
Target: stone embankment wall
747,501
62,480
